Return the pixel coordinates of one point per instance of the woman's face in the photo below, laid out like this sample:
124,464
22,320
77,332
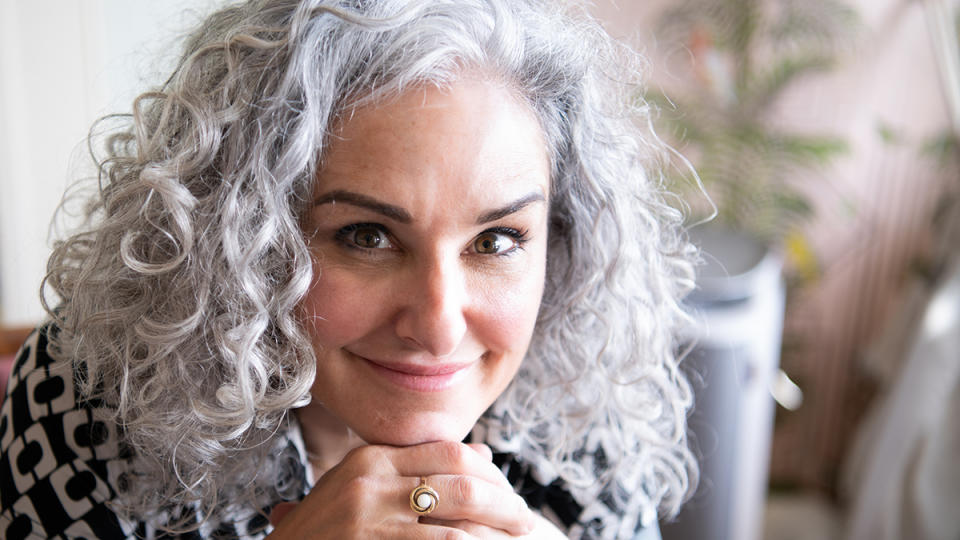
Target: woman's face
429,233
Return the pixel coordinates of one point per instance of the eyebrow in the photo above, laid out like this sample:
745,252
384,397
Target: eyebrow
393,212
511,208
399,214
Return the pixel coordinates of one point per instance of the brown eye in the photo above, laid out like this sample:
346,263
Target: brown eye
488,242
369,238
364,236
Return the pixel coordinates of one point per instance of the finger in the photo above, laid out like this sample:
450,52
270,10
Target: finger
470,529
464,497
446,457
442,530
483,450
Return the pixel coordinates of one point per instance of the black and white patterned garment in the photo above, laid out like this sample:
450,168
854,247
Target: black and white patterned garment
60,469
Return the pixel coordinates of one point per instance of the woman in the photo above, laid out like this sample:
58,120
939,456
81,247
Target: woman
342,238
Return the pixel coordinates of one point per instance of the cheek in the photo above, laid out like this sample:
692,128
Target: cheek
511,312
336,308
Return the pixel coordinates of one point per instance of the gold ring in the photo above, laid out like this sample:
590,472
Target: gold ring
423,499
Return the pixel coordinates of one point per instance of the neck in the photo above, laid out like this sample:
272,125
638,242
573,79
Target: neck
326,437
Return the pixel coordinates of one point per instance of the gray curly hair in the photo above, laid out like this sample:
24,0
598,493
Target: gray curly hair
179,299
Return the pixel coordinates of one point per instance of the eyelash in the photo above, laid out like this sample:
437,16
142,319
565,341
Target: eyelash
519,236
343,236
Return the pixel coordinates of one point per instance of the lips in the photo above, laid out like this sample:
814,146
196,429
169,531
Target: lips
418,377
420,370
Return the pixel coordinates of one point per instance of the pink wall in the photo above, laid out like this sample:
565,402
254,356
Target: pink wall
872,229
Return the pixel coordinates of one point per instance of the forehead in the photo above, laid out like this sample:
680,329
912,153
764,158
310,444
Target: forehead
475,134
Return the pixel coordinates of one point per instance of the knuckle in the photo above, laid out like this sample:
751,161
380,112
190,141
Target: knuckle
358,488
367,457
464,489
453,451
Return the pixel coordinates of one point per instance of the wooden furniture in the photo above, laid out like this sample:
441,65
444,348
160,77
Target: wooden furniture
10,340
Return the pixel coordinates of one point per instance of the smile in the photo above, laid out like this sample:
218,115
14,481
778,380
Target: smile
417,377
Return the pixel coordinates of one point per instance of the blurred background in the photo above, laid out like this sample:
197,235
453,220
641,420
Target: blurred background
824,132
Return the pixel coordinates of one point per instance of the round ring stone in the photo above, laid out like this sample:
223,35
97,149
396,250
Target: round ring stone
423,498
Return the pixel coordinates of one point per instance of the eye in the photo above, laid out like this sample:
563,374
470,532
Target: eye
364,236
499,241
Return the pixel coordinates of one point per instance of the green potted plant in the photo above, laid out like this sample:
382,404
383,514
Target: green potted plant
741,56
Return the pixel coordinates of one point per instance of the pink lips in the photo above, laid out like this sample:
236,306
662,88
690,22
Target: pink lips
420,378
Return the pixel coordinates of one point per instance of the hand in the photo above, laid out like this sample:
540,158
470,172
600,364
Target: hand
542,530
366,496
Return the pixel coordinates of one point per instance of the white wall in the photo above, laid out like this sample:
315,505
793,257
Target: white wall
64,63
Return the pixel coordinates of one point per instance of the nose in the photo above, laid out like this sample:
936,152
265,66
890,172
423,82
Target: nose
432,318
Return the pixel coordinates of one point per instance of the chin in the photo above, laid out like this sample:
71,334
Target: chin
429,428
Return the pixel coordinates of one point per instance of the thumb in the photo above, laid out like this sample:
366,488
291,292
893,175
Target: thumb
483,450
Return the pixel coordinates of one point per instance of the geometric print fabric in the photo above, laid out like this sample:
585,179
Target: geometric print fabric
57,462
62,469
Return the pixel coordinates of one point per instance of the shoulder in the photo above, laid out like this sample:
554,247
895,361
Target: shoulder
58,459
64,466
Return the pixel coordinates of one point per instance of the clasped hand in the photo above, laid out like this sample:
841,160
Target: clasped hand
367,496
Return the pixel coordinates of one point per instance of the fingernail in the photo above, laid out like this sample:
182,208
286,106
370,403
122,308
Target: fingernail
531,522
484,451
